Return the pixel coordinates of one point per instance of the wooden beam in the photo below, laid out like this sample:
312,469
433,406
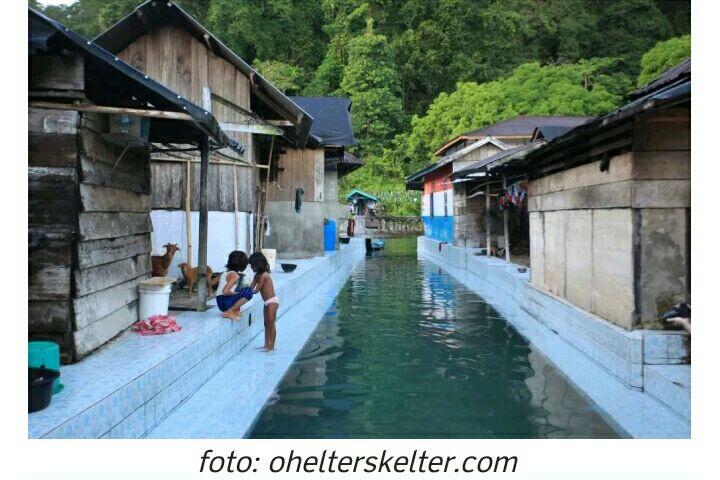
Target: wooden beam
202,286
251,128
280,123
165,115
188,216
255,123
487,221
212,162
207,98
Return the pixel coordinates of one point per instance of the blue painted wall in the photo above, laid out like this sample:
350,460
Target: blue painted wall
439,228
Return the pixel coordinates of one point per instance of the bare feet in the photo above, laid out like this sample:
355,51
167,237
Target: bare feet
680,322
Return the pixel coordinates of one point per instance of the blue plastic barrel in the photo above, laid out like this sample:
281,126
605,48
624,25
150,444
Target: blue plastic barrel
329,235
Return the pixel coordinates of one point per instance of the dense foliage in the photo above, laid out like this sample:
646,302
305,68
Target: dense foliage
420,71
663,56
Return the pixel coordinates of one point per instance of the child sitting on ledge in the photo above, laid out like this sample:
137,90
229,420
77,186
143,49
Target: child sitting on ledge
233,290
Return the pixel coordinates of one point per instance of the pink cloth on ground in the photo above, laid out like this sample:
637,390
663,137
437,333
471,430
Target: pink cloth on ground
157,325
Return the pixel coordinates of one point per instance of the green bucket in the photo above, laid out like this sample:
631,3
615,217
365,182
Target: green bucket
45,354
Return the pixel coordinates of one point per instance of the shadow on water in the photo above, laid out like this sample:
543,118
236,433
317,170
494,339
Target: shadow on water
405,351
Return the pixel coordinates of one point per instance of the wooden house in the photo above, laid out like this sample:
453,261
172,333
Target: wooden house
160,39
303,189
92,124
452,212
609,206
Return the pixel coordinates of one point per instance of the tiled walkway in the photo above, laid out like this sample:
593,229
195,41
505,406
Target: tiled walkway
227,405
126,387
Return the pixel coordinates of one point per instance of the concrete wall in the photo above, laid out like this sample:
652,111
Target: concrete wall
469,225
615,242
300,234
296,234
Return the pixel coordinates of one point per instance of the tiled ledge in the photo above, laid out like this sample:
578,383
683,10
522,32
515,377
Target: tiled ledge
621,353
128,386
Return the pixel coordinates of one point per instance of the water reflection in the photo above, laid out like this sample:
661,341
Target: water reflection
406,351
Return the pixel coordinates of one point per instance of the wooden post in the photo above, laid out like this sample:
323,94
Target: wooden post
235,210
506,227
202,285
263,210
487,219
188,215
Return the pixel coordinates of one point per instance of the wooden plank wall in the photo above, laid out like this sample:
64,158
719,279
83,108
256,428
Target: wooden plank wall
175,58
52,224
113,245
299,168
168,187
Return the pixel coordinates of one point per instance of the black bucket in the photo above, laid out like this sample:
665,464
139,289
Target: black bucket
40,384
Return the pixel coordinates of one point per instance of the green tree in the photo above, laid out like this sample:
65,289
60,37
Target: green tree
583,88
92,17
662,57
629,29
288,78
288,31
326,79
371,81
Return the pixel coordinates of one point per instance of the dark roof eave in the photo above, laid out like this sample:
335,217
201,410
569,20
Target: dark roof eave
202,120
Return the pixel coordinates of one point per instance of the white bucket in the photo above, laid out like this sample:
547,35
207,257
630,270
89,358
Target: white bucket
154,296
271,255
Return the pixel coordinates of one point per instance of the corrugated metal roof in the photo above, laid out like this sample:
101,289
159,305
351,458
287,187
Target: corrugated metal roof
417,176
359,193
525,125
550,132
480,165
520,126
332,124
680,70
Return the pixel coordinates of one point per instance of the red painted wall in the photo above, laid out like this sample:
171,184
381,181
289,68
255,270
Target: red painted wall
438,180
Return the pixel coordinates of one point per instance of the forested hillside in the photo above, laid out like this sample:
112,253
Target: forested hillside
421,71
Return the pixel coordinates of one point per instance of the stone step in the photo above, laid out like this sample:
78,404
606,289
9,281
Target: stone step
669,385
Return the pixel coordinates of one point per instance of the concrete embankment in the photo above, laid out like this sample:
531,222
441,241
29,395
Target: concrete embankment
617,369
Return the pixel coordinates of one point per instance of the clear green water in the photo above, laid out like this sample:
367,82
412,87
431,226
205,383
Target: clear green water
408,352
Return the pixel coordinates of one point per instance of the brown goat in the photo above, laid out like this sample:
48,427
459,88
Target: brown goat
161,263
191,277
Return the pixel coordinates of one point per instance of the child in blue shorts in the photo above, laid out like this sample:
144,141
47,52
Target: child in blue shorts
233,290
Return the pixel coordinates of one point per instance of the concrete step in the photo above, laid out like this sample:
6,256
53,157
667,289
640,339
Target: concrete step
670,385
